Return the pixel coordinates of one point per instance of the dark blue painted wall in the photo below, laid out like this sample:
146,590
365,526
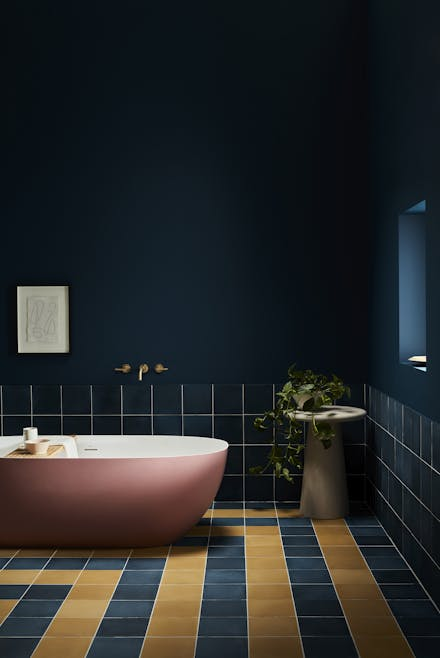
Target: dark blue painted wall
195,172
404,141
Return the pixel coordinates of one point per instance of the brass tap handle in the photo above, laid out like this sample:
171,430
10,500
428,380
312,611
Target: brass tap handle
143,368
125,368
159,368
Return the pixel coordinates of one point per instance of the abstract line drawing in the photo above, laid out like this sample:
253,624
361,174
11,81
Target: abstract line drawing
43,319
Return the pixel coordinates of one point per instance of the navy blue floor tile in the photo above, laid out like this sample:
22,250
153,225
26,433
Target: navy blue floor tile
224,505
12,591
309,576
302,551
260,504
24,626
297,521
135,592
145,563
426,626
329,647
27,563
203,522
261,521
115,647
331,626
425,647
3,561
386,563
303,531
411,591
224,576
129,609
224,592
227,521
17,647
223,608
122,627
317,607
140,577
372,540
394,576
300,540
225,563
414,609
66,563
223,626
219,647
226,541
314,593
106,563
226,551
191,541
379,551
362,520
47,592
305,563
36,608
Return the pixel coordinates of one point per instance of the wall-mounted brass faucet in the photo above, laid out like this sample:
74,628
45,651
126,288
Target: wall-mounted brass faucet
159,368
143,369
125,368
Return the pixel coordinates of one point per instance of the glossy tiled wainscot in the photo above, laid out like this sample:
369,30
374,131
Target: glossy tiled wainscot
403,482
224,412
248,581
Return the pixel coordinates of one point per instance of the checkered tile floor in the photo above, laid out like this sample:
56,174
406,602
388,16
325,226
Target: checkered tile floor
253,581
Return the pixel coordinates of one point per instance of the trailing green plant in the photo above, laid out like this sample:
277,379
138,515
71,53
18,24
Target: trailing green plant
304,391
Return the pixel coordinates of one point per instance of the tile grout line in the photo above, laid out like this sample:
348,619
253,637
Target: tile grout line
203,583
155,601
122,409
61,411
243,468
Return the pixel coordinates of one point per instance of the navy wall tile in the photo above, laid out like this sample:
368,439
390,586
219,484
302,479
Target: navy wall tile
197,399
171,425
77,425
228,400
259,487
258,398
16,400
252,435
46,399
136,424
107,425
234,464
167,399
76,399
229,428
106,399
231,488
13,425
136,399
47,424
197,425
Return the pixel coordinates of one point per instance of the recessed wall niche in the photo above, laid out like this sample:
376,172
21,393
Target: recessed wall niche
412,286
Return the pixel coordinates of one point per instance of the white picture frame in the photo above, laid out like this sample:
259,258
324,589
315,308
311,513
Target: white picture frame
43,319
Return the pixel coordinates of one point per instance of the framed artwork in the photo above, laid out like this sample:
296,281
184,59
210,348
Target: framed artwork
43,319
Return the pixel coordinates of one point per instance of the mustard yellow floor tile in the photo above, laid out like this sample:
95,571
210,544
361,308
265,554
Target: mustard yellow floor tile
271,607
227,531
263,551
366,608
281,591
6,606
292,513
352,576
336,539
269,513
359,592
91,592
35,552
273,626
74,552
57,577
198,531
273,541
344,552
18,576
99,577
188,551
173,626
380,647
67,647
8,552
73,627
345,561
227,513
80,609
324,523
374,626
176,608
187,576
154,551
207,514
112,552
271,530
178,562
267,576
165,647
257,563
275,647
180,593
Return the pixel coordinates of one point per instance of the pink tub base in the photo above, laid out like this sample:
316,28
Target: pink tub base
105,502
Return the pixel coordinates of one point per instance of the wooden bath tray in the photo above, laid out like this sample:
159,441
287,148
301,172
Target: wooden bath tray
51,451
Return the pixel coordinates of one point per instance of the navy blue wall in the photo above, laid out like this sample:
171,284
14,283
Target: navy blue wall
404,144
195,172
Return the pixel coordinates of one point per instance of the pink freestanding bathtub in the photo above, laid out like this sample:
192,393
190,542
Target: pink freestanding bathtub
108,491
